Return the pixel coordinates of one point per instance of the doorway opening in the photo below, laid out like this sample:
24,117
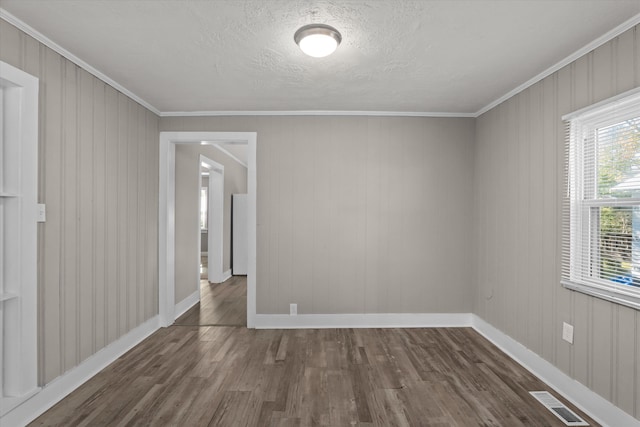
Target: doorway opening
167,206
211,220
222,298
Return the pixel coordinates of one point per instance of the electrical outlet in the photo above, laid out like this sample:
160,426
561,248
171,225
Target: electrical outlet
567,332
293,309
42,213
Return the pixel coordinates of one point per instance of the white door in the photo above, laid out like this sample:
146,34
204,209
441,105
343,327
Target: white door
239,235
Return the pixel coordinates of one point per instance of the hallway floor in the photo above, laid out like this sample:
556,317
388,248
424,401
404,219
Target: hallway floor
221,304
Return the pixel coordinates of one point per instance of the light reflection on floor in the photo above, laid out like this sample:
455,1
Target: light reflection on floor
203,267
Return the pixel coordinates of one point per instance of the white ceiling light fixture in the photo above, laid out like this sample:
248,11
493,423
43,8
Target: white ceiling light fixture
317,40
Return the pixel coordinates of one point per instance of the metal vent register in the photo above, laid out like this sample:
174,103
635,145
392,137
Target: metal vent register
558,409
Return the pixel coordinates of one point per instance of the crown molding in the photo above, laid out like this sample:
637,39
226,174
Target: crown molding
313,113
608,36
71,57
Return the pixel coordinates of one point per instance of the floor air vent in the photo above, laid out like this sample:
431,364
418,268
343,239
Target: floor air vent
558,408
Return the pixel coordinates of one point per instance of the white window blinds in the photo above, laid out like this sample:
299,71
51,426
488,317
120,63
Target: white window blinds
601,242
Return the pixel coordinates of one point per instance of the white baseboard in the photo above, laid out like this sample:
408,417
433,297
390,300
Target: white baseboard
184,305
60,387
364,320
8,403
597,407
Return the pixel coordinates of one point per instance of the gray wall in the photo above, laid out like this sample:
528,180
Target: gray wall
518,179
359,214
187,276
98,175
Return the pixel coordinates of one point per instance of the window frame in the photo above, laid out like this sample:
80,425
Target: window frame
578,206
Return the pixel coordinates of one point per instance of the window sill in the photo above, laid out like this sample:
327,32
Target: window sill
627,300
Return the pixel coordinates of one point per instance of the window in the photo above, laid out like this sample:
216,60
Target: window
601,247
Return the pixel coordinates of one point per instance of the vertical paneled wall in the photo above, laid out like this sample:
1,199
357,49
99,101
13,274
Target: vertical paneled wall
98,176
518,184
359,214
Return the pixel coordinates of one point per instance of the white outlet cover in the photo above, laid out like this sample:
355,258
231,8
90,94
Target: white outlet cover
293,309
567,332
42,213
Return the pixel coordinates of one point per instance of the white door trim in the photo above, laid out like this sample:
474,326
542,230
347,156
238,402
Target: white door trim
166,216
215,219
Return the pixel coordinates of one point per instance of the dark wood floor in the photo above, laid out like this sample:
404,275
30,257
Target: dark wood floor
221,304
233,376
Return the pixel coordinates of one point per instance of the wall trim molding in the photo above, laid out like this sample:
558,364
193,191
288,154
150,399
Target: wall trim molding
597,407
183,306
226,275
314,113
606,37
363,320
61,386
71,57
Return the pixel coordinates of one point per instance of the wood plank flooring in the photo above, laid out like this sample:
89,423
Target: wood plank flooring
233,376
221,304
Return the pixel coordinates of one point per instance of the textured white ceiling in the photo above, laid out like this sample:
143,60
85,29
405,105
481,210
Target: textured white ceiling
396,55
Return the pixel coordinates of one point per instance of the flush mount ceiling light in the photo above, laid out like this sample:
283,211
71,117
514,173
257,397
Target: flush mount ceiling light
317,40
